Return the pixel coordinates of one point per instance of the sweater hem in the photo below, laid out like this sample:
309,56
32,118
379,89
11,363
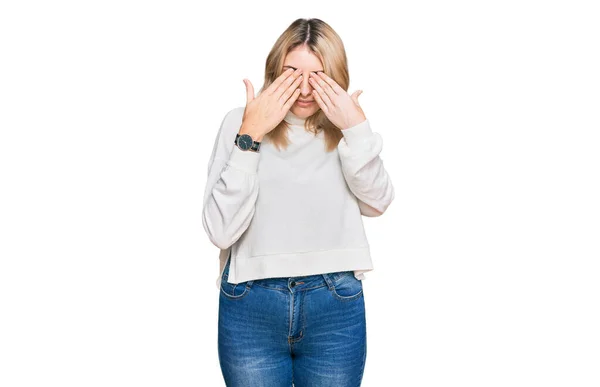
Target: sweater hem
300,264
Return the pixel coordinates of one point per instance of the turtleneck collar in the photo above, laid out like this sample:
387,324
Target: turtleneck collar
294,119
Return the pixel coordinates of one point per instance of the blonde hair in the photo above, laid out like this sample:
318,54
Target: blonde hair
325,43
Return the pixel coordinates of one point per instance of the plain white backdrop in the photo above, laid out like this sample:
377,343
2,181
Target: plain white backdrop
486,264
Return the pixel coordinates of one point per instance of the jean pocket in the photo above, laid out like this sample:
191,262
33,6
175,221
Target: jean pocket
347,287
234,291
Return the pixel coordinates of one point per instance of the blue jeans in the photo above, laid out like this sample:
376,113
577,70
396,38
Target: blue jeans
308,330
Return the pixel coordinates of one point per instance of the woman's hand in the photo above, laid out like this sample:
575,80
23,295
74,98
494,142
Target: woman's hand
264,113
341,109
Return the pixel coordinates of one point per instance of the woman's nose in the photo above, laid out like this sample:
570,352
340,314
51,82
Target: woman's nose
305,87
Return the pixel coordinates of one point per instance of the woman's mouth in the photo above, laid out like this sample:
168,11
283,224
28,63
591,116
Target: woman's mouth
304,103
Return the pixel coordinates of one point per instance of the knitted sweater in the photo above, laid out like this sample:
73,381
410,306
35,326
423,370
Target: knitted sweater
297,211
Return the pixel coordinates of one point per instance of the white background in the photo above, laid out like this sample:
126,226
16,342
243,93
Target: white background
486,264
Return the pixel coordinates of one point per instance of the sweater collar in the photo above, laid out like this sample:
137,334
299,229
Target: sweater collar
294,119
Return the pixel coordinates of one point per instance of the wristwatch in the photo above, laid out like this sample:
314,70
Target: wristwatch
246,143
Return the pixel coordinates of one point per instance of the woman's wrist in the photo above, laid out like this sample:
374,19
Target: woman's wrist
255,133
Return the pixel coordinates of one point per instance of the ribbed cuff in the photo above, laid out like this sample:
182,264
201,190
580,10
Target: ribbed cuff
246,161
355,135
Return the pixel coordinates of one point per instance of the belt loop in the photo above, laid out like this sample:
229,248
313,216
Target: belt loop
249,284
328,280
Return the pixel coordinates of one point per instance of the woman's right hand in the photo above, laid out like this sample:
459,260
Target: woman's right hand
263,113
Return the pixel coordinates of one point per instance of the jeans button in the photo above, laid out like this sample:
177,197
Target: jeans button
293,284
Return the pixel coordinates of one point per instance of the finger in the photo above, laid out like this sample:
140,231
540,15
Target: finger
277,82
355,96
249,91
337,89
326,90
273,86
290,90
286,83
293,98
322,93
320,102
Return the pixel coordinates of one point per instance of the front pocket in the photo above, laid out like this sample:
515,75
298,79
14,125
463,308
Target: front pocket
347,288
234,291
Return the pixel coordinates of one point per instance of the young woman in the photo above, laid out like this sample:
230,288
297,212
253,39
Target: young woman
290,176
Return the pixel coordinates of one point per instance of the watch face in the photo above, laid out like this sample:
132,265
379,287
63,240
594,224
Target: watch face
245,141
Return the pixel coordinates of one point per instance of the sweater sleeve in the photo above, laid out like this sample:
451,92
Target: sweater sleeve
231,188
363,169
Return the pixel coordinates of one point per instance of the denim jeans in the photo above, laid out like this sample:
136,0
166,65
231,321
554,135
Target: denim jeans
301,331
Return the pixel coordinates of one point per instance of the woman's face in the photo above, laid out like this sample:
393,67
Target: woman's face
302,58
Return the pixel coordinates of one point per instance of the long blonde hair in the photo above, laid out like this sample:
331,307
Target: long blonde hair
326,44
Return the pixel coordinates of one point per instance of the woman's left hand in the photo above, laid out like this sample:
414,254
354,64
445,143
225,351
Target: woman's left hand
342,109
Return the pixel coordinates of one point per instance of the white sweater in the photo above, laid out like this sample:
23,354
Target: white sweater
298,211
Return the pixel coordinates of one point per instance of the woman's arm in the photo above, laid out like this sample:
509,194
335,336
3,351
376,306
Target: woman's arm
232,186
363,169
